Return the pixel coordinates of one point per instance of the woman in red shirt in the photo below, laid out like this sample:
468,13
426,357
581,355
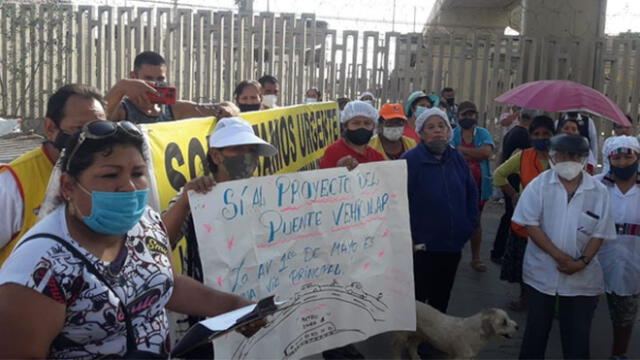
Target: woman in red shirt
358,120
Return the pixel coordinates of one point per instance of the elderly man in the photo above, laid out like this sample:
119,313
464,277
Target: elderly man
567,215
443,208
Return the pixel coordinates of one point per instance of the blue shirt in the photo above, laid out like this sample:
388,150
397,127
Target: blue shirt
481,137
443,199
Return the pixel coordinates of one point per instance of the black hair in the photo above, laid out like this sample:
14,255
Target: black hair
85,154
561,123
57,101
210,167
342,102
244,84
268,79
542,121
447,89
148,58
317,92
628,118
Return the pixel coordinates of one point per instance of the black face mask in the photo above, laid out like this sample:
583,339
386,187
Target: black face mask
467,123
359,136
451,101
249,107
624,173
61,140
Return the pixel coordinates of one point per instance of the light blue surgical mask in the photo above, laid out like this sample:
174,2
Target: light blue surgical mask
420,110
115,213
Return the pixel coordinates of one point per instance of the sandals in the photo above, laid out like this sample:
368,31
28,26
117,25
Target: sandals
478,265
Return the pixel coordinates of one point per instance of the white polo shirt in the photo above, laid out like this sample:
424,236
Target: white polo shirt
620,259
570,225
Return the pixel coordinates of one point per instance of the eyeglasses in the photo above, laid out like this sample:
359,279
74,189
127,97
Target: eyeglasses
102,129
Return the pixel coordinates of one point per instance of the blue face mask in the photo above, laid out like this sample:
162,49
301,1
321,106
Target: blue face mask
420,110
115,213
541,144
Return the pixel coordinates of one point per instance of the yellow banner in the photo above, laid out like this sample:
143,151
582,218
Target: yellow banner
301,133
179,148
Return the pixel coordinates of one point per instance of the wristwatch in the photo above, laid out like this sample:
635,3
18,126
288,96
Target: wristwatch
586,260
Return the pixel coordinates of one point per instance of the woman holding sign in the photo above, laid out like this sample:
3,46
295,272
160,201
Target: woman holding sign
443,208
358,119
99,266
233,154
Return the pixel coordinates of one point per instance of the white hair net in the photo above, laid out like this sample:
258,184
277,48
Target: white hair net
358,108
434,111
614,143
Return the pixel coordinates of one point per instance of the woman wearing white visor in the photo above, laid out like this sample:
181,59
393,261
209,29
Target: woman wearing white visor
234,151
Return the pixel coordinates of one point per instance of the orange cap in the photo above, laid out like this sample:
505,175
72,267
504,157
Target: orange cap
392,111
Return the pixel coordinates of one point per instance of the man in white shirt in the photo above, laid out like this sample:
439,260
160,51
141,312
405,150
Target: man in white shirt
621,258
567,215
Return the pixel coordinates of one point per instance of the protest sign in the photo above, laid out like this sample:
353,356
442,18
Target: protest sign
335,244
178,149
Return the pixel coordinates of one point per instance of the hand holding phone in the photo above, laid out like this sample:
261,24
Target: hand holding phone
166,94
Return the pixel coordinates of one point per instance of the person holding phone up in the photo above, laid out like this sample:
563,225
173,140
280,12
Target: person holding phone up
146,98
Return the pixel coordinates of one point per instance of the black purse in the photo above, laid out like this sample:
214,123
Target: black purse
132,348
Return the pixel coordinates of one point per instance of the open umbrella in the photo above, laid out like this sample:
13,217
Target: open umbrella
563,96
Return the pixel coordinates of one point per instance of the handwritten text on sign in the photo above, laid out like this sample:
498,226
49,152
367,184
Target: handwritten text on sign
336,243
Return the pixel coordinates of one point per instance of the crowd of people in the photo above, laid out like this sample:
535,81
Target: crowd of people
98,261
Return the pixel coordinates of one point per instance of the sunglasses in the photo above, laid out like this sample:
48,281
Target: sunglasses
102,129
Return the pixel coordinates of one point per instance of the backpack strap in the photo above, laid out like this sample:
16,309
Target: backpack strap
131,343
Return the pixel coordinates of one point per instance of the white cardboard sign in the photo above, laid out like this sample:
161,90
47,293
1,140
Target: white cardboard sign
335,243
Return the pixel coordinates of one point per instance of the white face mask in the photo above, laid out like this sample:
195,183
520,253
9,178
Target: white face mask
270,100
567,170
310,100
393,133
420,110
370,102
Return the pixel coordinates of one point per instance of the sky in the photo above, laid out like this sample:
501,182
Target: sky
378,15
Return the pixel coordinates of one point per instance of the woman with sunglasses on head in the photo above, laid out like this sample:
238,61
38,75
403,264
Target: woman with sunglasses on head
94,277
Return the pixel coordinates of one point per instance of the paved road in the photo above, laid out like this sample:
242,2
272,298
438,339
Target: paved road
474,291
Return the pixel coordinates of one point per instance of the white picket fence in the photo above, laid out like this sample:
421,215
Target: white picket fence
208,52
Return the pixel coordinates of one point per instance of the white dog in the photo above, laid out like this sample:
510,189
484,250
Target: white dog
460,338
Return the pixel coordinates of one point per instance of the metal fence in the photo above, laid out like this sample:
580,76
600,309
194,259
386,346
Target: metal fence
208,52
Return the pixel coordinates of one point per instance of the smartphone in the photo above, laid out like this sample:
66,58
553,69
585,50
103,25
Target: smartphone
167,94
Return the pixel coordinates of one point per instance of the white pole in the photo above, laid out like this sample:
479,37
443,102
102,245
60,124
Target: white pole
393,21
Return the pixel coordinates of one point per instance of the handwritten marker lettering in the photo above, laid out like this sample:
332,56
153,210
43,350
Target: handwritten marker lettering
230,243
386,233
207,227
381,254
219,280
366,265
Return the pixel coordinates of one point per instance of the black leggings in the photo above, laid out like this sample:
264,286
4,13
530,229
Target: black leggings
434,273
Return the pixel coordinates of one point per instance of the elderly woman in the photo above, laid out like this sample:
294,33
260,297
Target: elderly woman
94,278
358,120
443,208
620,259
